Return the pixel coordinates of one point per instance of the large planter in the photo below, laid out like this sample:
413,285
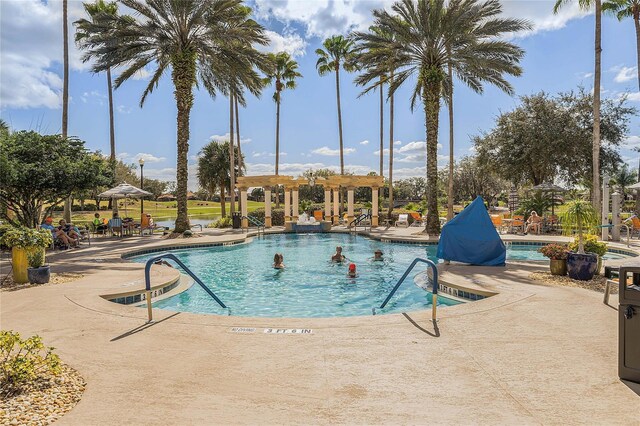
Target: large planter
19,263
582,267
558,267
39,275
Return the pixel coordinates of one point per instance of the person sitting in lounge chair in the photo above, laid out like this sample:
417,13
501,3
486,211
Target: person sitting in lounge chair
115,224
533,223
70,231
338,256
59,236
98,224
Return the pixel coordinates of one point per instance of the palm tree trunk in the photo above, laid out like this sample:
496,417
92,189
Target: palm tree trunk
636,21
596,109
112,136
450,188
381,128
223,207
184,77
391,114
65,91
240,165
277,142
232,157
431,99
340,134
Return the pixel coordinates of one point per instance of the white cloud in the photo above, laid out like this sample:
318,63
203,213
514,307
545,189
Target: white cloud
123,109
31,40
584,75
625,73
632,142
325,150
225,138
365,142
296,169
397,143
633,96
416,146
148,158
289,42
142,74
267,154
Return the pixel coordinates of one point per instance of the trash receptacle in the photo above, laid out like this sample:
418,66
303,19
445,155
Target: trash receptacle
629,324
236,220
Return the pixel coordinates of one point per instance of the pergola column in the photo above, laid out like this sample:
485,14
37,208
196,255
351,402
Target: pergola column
243,201
336,218
287,204
327,203
267,207
374,207
295,206
350,216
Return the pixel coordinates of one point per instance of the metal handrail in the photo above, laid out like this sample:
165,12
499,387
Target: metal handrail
255,222
147,280
434,269
357,220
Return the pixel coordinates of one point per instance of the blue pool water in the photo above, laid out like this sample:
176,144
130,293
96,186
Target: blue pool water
242,277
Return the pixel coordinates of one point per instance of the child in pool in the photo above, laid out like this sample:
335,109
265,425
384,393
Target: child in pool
338,256
278,260
352,271
377,255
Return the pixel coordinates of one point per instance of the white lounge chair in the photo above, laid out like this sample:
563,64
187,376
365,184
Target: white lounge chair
403,220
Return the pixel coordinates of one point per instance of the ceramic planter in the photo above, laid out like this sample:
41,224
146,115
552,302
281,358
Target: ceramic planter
39,275
558,267
582,266
19,264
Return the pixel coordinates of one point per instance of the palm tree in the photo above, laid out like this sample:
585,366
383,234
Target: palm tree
338,52
95,11
429,35
586,5
214,167
623,178
4,128
625,9
211,41
240,159
65,91
283,72
449,101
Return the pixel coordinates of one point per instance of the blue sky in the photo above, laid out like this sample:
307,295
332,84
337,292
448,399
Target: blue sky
559,57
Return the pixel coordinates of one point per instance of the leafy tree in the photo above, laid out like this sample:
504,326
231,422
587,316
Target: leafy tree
315,194
473,178
431,35
414,188
39,171
623,178
537,201
211,41
5,130
213,170
543,138
597,76
625,9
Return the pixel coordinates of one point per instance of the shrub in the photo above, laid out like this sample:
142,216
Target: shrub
26,238
554,251
277,216
591,245
36,257
24,361
223,222
187,233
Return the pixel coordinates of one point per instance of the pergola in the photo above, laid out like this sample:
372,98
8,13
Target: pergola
331,185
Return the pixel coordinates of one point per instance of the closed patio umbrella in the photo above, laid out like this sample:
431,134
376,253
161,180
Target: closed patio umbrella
549,187
124,190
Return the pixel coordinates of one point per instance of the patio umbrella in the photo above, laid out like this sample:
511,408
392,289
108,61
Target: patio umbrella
549,187
634,186
124,190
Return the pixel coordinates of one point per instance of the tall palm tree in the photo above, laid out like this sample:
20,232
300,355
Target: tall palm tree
283,72
240,159
429,35
95,11
213,170
4,128
625,9
211,41
597,5
339,52
65,91
449,101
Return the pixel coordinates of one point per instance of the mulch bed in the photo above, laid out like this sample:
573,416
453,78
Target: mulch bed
596,284
7,284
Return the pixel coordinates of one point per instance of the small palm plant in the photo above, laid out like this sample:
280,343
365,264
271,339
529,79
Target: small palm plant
580,215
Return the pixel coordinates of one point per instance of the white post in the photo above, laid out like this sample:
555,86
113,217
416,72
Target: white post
243,200
267,207
374,207
350,194
295,206
615,214
336,209
605,209
327,204
287,204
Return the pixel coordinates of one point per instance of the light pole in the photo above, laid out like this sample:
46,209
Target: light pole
141,162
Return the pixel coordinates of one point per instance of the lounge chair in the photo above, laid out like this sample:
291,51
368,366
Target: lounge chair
517,223
403,220
496,219
115,226
417,219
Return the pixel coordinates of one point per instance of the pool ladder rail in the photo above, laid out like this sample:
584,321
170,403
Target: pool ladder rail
147,282
434,280
353,225
255,222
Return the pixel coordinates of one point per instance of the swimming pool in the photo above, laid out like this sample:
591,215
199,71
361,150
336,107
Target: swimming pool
242,277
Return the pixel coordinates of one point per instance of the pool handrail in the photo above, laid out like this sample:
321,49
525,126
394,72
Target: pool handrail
434,269
147,280
255,222
355,222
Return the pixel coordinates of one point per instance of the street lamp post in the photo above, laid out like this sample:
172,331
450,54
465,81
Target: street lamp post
141,162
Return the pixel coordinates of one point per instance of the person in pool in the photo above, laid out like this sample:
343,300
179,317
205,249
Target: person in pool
338,256
377,255
278,260
352,273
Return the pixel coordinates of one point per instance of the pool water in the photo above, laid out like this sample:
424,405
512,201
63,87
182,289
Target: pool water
311,285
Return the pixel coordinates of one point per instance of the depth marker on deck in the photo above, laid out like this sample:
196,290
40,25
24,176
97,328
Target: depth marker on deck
288,331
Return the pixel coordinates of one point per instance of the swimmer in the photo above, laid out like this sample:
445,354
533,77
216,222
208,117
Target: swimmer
338,256
377,255
352,271
278,260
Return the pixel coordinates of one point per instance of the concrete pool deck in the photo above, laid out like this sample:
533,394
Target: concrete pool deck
533,354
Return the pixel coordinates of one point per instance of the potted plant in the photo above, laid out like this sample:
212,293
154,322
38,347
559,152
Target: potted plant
580,216
23,242
37,272
592,245
557,254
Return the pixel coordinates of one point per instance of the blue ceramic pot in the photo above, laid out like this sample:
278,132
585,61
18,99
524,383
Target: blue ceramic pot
582,266
39,275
